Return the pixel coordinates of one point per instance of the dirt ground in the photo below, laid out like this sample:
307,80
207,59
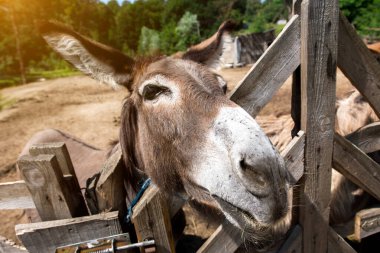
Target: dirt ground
86,109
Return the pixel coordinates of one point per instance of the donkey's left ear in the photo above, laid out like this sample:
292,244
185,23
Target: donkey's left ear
209,51
99,61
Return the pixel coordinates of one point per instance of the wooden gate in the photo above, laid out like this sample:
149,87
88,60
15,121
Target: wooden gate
316,40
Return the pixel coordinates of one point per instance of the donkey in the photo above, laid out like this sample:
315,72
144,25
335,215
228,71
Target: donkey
179,129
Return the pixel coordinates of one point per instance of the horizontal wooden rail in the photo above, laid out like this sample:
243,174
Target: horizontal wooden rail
15,195
356,166
45,237
367,222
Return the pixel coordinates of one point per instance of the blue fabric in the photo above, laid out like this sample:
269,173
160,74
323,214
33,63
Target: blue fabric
136,199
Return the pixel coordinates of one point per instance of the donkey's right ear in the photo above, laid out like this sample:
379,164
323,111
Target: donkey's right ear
101,62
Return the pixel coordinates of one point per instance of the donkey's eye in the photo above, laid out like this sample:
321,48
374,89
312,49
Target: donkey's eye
152,91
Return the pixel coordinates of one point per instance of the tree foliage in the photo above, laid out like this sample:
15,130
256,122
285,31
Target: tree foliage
144,26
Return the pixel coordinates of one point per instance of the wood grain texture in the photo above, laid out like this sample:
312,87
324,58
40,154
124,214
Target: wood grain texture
15,195
293,155
270,71
293,243
224,239
336,244
45,237
367,222
356,166
59,150
46,184
151,219
358,64
319,36
366,138
110,190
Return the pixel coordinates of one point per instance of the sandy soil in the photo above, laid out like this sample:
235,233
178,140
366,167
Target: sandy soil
84,108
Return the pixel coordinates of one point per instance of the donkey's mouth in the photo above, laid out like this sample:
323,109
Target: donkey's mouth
235,210
259,236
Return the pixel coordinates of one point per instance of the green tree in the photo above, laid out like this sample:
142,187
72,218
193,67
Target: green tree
188,31
364,15
149,42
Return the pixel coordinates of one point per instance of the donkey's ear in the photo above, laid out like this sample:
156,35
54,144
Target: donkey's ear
209,51
101,62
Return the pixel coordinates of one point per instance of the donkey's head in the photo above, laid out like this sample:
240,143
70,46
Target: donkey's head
180,130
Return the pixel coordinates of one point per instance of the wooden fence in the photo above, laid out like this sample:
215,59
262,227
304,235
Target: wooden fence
315,41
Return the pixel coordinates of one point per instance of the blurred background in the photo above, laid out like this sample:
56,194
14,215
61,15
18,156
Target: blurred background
141,27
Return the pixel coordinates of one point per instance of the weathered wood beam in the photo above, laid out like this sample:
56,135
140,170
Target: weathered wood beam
270,71
358,64
70,183
45,237
336,244
319,36
293,155
293,243
225,239
367,222
45,181
366,138
356,166
151,219
15,195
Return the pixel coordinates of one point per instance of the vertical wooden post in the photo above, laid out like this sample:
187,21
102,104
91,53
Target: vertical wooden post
319,36
51,194
59,150
151,219
296,82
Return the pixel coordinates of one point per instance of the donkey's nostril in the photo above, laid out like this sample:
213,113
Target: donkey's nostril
243,165
254,179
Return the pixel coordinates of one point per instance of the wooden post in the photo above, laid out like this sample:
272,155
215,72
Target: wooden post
151,219
45,181
296,81
319,36
61,153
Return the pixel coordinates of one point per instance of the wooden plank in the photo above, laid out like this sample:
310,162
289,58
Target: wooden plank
366,138
225,239
293,243
356,166
319,36
336,244
45,237
293,155
59,150
110,190
15,195
151,219
61,153
46,184
295,6
270,71
367,222
358,64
